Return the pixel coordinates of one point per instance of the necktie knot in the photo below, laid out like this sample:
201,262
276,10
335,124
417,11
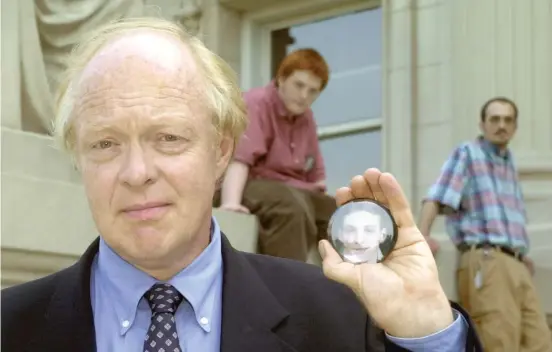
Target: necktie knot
163,298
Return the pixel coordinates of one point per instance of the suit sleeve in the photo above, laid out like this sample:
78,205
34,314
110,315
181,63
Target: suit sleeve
375,337
446,340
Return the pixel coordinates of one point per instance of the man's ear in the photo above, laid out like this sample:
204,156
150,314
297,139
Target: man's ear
225,150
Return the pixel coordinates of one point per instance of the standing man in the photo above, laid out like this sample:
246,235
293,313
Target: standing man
480,193
278,171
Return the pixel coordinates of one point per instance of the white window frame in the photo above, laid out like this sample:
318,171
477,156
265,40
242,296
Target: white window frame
256,40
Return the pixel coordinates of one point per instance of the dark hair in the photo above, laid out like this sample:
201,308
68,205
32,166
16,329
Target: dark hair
499,100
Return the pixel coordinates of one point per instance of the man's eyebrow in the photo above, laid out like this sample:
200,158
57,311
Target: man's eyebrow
95,128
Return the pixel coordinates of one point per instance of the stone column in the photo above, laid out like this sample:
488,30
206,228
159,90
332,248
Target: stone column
11,74
417,122
398,102
504,48
222,34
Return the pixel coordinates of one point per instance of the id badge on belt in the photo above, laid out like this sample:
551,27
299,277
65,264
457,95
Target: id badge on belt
478,278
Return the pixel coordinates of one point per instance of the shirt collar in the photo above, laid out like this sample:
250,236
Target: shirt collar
493,150
197,282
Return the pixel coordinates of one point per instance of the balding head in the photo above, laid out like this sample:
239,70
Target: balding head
151,117
160,44
141,56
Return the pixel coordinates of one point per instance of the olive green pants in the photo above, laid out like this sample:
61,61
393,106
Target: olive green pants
291,220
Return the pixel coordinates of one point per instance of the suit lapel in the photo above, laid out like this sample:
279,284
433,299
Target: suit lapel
250,313
69,318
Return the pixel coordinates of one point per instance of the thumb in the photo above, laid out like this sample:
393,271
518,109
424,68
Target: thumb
333,266
338,270
328,254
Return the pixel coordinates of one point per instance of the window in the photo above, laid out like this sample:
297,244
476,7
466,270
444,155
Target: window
350,155
348,112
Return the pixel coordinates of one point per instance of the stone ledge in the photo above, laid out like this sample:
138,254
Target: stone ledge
20,266
241,229
251,5
34,155
45,215
270,11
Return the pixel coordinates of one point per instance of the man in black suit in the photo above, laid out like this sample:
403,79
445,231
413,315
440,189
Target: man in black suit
151,118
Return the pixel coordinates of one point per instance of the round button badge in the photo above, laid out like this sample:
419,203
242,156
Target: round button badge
363,231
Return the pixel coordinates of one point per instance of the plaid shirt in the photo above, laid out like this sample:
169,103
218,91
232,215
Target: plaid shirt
480,193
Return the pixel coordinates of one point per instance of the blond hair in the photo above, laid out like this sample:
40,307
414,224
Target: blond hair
223,94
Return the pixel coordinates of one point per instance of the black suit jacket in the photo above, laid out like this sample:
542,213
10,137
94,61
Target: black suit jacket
269,305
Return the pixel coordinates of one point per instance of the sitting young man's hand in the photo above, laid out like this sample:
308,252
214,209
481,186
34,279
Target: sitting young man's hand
237,208
320,186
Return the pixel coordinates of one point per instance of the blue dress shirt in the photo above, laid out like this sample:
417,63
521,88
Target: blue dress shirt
122,315
451,339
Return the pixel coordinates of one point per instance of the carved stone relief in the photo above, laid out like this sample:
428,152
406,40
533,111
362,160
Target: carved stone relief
41,34
45,35
187,13
190,15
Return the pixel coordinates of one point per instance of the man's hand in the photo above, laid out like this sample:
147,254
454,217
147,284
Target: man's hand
237,208
402,294
320,186
529,264
433,244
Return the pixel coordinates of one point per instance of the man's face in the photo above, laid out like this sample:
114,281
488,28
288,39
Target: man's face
148,151
500,123
299,91
361,230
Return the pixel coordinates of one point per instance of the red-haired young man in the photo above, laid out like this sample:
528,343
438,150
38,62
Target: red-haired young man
278,173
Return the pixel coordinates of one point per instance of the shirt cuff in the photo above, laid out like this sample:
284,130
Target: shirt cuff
450,339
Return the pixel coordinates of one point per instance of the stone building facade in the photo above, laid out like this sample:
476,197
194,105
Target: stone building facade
440,60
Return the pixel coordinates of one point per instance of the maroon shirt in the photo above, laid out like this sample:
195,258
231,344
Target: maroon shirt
277,146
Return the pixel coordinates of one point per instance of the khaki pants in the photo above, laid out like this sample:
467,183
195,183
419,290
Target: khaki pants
498,292
291,220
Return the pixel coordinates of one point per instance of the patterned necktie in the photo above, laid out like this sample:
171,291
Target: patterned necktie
162,336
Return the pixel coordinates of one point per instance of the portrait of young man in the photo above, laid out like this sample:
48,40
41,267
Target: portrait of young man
360,236
151,118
